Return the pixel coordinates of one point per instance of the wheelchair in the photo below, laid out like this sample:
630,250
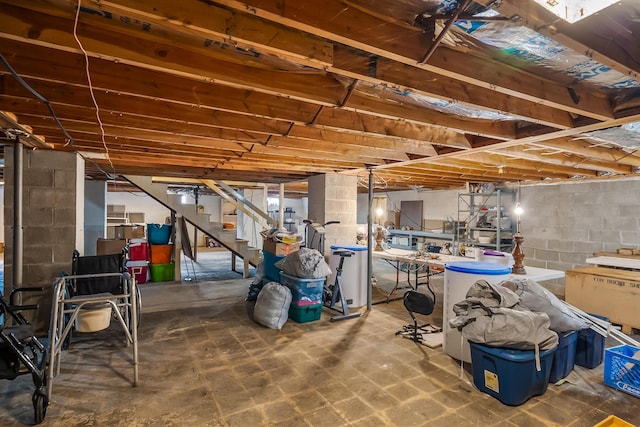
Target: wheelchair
90,276
21,353
98,284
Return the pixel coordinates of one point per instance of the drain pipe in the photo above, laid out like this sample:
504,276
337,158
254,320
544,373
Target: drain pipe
18,245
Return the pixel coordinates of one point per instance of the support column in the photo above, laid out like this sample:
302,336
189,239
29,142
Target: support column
333,197
52,208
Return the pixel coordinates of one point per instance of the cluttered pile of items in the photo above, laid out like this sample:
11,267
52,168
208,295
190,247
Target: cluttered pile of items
288,283
522,337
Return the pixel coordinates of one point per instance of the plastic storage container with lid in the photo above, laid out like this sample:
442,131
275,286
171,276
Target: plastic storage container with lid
510,375
564,356
458,278
590,347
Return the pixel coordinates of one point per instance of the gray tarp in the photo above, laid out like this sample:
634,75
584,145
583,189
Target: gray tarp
306,263
536,298
492,315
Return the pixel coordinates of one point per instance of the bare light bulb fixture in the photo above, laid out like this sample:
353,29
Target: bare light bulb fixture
518,211
518,253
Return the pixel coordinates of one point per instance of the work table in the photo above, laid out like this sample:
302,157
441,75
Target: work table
536,274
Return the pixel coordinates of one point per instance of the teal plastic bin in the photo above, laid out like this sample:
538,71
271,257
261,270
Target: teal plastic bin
158,234
271,272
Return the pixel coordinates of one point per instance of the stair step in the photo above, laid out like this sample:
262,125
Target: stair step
229,237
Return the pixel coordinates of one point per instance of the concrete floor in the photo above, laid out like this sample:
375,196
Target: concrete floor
203,362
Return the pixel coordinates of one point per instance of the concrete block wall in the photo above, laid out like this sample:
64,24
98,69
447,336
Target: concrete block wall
50,202
333,197
565,224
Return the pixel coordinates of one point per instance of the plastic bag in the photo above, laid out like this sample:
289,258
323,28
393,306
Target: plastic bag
306,263
272,306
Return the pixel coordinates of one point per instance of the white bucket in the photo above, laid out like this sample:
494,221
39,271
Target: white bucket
94,318
458,278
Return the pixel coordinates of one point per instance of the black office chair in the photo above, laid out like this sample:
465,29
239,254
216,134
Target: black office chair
417,302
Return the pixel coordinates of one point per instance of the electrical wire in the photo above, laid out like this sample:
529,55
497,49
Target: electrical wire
93,98
41,98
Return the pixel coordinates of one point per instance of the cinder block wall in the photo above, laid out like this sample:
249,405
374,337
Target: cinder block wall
50,182
333,197
565,224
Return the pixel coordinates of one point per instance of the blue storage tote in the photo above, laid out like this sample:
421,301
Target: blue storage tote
510,375
564,356
305,313
303,291
158,234
622,369
590,347
271,272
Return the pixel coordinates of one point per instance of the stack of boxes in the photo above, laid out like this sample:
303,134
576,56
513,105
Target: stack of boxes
162,267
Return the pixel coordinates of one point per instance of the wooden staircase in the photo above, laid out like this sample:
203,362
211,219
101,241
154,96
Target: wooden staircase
226,237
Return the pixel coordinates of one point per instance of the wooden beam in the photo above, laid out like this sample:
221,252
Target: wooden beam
350,26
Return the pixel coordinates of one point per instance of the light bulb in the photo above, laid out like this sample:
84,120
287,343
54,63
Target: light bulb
518,209
379,211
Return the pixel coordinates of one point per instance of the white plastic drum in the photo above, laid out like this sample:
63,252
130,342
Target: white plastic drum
458,278
354,273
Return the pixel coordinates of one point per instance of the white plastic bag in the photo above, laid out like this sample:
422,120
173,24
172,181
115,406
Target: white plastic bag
272,305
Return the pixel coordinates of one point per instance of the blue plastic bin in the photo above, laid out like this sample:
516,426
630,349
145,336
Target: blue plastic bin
590,347
510,375
564,357
158,234
271,272
303,291
622,370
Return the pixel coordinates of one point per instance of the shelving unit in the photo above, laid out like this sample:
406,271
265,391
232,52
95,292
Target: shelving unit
117,216
289,222
229,214
486,215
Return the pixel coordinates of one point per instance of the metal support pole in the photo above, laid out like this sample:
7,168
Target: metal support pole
281,207
195,229
18,243
369,243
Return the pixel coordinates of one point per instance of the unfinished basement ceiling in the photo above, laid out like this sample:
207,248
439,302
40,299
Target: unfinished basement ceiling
427,94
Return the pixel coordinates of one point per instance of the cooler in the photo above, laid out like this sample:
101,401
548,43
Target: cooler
354,273
458,278
138,250
139,270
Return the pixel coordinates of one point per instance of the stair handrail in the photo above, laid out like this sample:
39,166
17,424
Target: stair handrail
233,197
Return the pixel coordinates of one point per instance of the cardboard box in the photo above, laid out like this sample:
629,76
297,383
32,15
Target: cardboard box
280,249
608,292
129,232
110,246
